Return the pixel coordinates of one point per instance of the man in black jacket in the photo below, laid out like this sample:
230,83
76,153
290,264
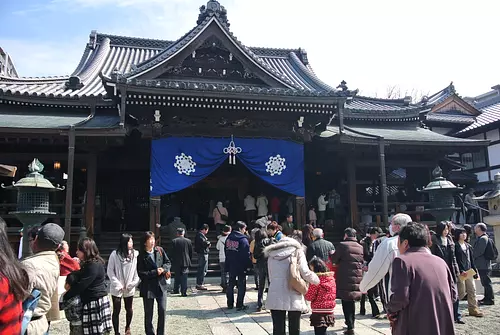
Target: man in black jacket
182,252
320,247
202,247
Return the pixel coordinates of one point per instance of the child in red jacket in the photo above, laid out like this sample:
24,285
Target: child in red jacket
322,297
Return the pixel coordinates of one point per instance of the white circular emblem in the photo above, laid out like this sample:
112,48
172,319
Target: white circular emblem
275,165
184,164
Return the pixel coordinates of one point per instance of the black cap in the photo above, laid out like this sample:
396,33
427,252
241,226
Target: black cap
51,232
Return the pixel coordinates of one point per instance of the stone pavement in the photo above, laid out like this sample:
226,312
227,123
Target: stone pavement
204,313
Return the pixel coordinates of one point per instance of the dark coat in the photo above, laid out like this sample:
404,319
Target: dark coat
437,249
465,259
320,248
349,261
368,251
151,283
201,243
480,245
237,251
91,285
423,292
181,253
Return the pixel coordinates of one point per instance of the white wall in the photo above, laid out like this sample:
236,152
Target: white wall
494,154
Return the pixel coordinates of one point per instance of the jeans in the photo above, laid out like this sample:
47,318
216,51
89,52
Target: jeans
263,276
240,280
181,280
202,269
223,275
256,271
279,322
484,275
456,310
148,314
371,297
117,306
349,309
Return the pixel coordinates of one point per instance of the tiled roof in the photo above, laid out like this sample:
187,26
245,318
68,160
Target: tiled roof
127,55
400,134
365,108
439,96
15,117
490,114
450,117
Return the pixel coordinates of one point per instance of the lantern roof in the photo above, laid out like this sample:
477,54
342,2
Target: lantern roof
439,183
34,178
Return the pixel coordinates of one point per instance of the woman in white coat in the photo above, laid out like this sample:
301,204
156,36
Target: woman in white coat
262,203
280,298
122,273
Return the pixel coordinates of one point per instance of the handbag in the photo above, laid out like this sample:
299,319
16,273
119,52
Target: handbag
223,217
295,281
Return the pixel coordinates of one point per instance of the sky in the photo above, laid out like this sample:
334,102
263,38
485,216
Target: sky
417,46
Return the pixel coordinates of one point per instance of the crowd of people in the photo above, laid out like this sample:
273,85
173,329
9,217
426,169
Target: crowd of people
406,268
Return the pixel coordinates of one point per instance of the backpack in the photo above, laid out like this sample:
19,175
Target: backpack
491,251
29,306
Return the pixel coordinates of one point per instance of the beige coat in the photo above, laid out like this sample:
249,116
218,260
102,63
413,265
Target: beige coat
43,271
280,296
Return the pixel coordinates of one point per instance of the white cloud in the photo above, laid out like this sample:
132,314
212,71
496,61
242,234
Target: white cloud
418,45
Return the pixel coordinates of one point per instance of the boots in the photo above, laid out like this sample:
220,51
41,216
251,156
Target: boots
475,312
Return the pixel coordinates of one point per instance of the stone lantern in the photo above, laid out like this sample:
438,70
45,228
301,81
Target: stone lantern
493,219
32,200
441,196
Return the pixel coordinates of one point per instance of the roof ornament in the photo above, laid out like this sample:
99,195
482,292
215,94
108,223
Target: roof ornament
452,88
343,86
213,8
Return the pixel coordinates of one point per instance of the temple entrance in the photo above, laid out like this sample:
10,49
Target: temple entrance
229,184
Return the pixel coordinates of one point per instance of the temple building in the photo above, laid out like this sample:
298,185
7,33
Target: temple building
157,129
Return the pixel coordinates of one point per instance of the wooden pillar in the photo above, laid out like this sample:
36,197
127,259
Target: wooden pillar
383,182
69,184
353,198
90,194
154,216
300,212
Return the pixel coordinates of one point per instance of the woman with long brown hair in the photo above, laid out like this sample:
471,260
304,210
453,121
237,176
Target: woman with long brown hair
13,286
91,286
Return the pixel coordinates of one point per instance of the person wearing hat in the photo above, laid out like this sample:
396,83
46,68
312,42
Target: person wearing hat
182,253
43,272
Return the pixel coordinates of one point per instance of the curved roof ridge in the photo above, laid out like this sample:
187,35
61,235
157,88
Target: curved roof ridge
95,62
83,60
119,39
401,101
170,50
310,74
26,80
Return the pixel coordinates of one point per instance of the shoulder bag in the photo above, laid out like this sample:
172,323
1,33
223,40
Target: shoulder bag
295,281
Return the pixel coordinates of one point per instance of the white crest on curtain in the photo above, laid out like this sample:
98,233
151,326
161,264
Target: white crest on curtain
184,164
275,165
